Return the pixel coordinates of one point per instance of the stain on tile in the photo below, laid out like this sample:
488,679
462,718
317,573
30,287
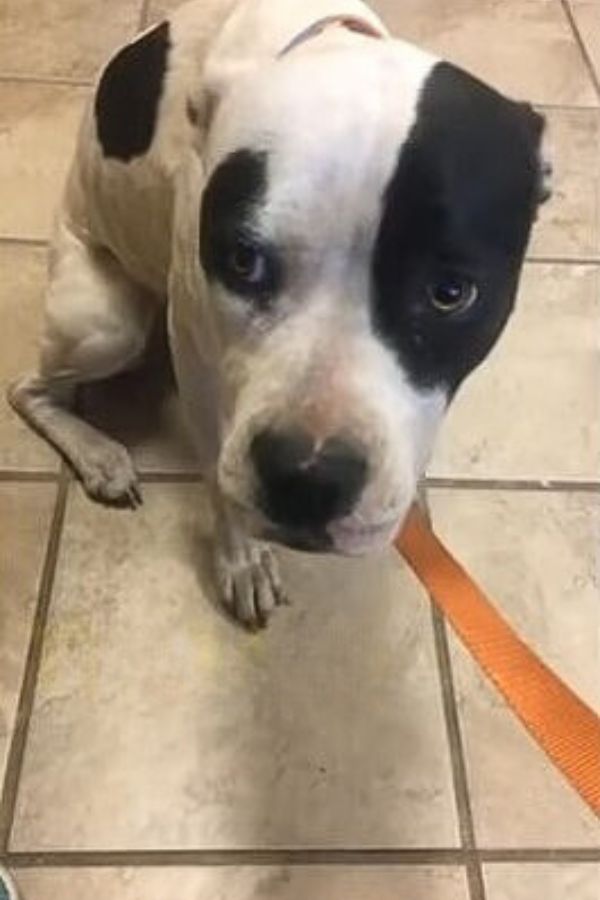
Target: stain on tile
325,730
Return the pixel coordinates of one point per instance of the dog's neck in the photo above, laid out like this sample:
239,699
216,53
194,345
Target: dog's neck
351,23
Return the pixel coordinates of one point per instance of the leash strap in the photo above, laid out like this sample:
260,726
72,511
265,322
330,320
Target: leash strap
562,724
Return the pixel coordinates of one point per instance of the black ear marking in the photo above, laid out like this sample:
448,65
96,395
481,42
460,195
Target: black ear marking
126,103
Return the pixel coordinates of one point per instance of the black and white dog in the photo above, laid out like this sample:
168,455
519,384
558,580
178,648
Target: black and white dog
338,220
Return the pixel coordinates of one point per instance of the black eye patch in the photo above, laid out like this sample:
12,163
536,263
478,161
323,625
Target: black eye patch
231,251
456,217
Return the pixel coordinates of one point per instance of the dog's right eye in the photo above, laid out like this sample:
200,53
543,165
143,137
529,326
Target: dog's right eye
452,294
250,269
247,262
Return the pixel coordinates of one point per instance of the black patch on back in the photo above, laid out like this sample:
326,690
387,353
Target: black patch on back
461,202
230,201
126,103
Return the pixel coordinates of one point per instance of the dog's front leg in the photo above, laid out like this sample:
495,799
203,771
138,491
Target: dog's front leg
246,570
246,573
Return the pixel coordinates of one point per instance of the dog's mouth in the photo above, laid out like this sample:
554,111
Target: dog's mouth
355,539
344,538
299,539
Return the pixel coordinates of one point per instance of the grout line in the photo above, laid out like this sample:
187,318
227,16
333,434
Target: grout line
433,482
25,241
566,107
475,880
582,47
457,756
441,856
563,260
189,477
460,784
541,855
512,484
26,697
23,475
149,477
60,80
144,14
240,857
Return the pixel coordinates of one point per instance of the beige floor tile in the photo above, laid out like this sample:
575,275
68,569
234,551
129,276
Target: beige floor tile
536,555
531,410
158,9
569,223
38,124
25,514
21,296
566,881
587,17
159,724
63,38
334,883
523,47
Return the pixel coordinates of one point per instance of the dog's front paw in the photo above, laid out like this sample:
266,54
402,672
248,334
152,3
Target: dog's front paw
108,474
249,583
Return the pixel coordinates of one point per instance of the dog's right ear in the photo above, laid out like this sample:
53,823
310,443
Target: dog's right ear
536,127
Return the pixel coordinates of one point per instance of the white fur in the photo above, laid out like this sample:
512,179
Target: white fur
333,114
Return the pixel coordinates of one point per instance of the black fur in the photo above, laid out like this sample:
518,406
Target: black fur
461,203
126,103
235,190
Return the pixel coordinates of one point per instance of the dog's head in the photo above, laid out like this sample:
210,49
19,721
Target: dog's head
362,229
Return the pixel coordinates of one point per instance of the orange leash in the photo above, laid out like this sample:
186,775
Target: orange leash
562,724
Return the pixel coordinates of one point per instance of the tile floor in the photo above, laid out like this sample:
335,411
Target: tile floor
149,750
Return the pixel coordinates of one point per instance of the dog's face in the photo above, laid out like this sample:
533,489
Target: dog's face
362,229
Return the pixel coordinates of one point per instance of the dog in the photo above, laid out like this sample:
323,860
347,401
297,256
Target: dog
336,221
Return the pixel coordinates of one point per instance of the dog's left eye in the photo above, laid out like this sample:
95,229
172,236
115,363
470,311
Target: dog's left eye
452,294
247,263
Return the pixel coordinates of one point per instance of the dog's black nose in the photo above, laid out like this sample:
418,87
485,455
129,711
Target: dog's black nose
302,486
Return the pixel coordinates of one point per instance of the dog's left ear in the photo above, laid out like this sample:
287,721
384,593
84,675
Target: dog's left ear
536,128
